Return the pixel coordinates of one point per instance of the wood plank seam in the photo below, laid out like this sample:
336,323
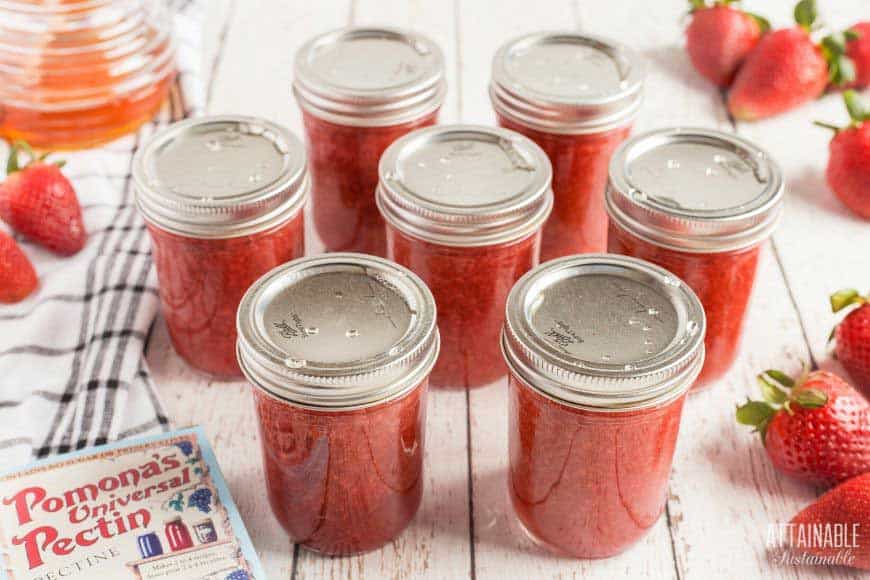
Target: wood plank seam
813,361
219,53
473,563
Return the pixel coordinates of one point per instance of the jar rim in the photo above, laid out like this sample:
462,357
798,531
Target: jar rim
419,93
698,214
334,375
555,342
220,208
465,185
516,94
531,381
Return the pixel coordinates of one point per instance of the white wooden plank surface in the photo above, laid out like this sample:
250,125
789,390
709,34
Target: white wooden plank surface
723,491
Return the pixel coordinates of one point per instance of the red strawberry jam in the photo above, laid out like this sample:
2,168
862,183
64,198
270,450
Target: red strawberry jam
360,89
699,203
338,349
576,97
464,206
222,198
602,350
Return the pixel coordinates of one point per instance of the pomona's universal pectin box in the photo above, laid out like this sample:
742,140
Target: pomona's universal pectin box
144,509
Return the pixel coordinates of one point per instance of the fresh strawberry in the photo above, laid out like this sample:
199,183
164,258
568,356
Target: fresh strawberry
848,172
848,506
858,51
852,337
17,276
786,70
840,51
719,37
816,429
39,202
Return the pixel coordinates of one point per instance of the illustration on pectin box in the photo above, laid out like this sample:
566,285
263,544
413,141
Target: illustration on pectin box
144,509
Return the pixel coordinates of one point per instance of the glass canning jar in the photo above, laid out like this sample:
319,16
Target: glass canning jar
222,198
464,207
338,349
360,89
602,351
576,96
77,73
699,203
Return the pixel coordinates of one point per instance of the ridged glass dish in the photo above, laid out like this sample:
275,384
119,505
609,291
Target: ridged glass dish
77,73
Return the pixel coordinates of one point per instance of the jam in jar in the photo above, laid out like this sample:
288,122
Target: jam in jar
602,350
338,349
222,198
464,206
360,89
699,203
76,73
576,96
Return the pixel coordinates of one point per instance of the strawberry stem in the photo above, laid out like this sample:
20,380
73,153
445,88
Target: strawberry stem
824,125
12,160
805,14
780,377
859,110
772,394
762,22
773,385
841,68
845,298
755,414
810,398
12,163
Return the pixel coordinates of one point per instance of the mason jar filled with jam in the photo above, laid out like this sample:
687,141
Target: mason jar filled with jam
576,96
338,349
700,203
464,207
602,352
223,199
360,89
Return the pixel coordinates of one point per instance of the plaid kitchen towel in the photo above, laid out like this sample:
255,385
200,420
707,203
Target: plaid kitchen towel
72,368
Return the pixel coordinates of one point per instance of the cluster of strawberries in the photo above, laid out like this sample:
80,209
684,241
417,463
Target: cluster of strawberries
817,428
38,202
768,72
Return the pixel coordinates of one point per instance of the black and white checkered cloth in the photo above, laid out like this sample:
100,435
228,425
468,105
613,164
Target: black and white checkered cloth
72,368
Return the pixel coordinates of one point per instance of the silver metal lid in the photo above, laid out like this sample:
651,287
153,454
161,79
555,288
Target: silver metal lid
566,82
465,185
337,331
695,190
605,332
369,76
220,177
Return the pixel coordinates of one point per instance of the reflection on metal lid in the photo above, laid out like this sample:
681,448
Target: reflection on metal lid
604,331
565,82
339,330
369,76
695,189
465,185
220,176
